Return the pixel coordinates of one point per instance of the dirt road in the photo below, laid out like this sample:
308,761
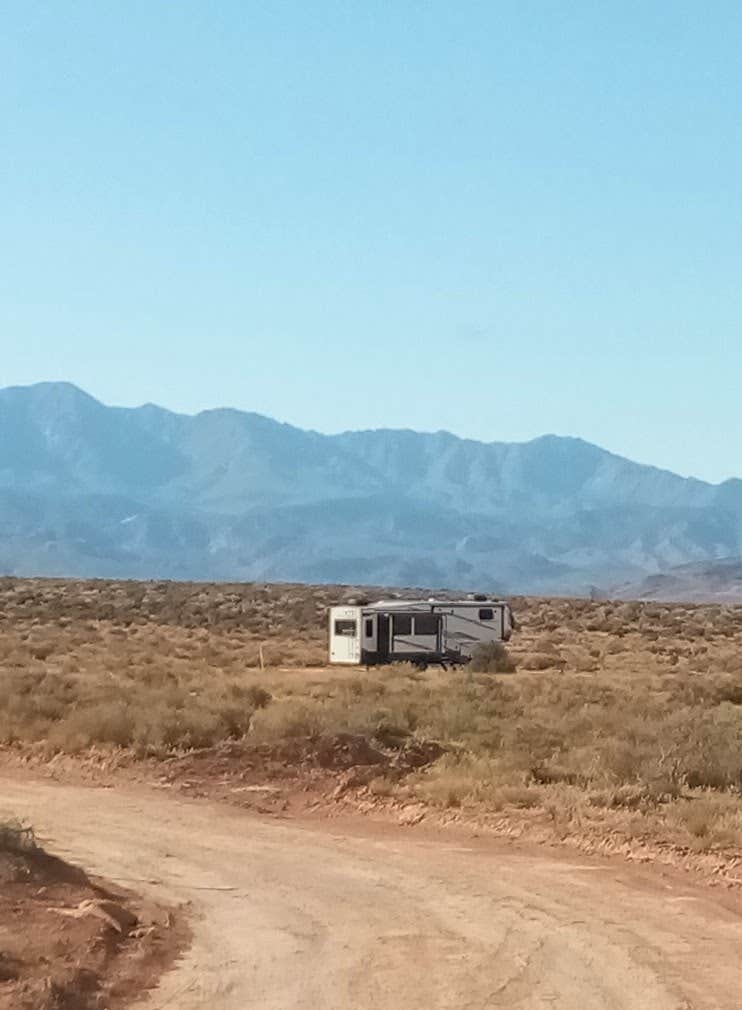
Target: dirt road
310,918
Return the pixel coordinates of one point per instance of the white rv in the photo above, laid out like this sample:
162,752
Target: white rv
417,631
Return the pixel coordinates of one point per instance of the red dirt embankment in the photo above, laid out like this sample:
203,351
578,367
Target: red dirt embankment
69,943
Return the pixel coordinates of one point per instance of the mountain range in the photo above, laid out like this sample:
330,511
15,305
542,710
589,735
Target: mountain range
90,490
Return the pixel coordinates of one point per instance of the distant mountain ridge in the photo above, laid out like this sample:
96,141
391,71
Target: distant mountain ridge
92,490
700,582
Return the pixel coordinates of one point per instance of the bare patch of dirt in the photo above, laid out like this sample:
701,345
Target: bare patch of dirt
69,943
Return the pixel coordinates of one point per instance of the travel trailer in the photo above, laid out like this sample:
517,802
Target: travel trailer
417,631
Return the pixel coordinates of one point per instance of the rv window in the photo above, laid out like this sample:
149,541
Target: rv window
369,628
402,624
426,624
345,628
486,614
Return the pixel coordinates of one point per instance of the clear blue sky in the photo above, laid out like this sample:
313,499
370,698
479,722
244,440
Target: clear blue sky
499,218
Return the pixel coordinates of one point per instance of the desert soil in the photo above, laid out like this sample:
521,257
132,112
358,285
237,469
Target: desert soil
335,915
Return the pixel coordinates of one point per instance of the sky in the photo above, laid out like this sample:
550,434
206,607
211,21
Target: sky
502,219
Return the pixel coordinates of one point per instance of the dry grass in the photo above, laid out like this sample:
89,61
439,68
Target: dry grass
626,716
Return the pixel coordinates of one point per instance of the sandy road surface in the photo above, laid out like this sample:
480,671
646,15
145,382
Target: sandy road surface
289,916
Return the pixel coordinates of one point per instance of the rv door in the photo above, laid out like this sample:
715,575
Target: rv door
345,635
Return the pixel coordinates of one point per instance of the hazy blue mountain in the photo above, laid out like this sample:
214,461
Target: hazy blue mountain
88,490
703,581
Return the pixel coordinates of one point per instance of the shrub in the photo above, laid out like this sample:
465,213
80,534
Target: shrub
290,719
713,820
15,837
492,657
541,661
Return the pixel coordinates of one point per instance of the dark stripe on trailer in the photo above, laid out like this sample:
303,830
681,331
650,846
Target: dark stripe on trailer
427,658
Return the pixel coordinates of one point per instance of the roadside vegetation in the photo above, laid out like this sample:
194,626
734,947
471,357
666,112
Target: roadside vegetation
16,837
599,717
